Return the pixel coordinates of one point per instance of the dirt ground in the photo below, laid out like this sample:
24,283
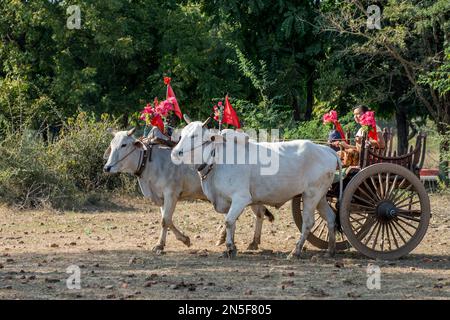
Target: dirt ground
112,248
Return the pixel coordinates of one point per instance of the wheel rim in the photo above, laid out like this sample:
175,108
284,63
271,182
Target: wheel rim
318,236
385,211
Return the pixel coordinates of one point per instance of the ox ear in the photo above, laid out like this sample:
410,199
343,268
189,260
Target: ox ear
107,153
138,144
111,131
131,131
186,118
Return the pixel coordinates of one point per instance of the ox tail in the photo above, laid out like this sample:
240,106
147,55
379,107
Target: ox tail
341,186
269,215
341,183
337,223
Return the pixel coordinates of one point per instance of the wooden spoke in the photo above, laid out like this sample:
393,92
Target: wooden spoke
397,223
388,195
321,231
381,185
362,217
375,224
388,237
387,185
375,188
374,195
364,214
401,194
316,217
362,231
382,236
364,207
415,213
361,199
376,237
398,232
393,235
408,204
396,190
405,216
400,219
317,226
358,221
358,229
367,196
410,197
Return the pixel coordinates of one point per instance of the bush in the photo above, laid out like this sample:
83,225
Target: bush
263,116
25,178
316,130
78,154
64,174
313,130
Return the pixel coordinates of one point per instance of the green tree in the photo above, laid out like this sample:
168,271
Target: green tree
276,44
415,35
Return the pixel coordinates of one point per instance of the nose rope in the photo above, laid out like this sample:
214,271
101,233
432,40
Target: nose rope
126,156
200,145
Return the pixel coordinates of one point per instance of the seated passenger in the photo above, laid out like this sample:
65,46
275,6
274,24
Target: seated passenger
366,119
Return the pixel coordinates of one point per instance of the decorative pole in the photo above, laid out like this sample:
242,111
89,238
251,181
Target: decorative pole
220,115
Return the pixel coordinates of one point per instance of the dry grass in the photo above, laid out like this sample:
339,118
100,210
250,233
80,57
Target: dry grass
113,249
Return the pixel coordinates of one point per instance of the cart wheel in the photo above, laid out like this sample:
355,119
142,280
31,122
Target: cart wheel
385,211
318,236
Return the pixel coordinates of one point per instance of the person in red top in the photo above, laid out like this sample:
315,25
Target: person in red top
349,154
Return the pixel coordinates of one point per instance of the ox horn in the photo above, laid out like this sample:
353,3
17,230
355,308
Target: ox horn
131,131
208,120
186,118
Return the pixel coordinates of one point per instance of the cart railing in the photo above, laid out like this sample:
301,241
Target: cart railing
413,159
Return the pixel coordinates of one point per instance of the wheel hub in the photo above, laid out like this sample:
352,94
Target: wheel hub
386,211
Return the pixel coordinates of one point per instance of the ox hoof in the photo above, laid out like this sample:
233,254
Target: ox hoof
230,253
158,249
187,241
294,255
220,242
253,246
329,254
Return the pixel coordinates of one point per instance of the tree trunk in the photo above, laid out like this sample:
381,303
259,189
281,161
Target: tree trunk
296,109
309,96
444,154
402,130
125,121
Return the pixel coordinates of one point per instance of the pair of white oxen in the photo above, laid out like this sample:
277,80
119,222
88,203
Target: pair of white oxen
167,175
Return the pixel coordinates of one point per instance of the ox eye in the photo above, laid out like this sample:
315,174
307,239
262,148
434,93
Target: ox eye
124,145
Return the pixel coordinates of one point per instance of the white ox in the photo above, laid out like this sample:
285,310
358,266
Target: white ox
164,182
304,168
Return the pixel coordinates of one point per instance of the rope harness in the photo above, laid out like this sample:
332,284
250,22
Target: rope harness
203,176
144,156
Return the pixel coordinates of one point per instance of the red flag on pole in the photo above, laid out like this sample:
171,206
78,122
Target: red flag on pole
171,96
158,122
229,115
